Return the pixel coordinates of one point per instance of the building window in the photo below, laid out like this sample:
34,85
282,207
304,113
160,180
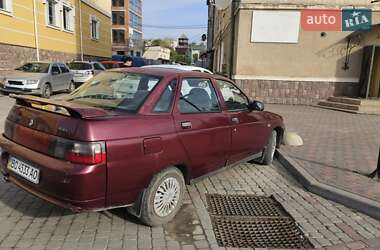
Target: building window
135,21
118,3
135,6
51,12
118,36
118,17
95,28
68,18
6,5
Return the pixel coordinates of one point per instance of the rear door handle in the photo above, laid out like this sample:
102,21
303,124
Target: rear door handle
186,125
235,120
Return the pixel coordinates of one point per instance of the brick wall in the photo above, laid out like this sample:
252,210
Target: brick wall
293,92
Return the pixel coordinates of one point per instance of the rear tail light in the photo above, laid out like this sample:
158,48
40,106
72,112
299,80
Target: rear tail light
87,153
91,72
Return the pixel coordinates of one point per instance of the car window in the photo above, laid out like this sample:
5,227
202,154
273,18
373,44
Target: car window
35,68
63,68
80,66
55,69
164,104
198,96
98,66
115,91
235,100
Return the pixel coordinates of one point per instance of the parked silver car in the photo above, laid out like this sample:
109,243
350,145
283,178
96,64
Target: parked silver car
39,78
85,70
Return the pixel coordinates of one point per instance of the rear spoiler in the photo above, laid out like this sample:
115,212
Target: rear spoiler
58,106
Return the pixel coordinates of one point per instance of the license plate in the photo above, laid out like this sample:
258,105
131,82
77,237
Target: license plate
78,74
24,170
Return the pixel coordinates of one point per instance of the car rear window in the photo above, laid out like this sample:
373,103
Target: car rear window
80,66
115,91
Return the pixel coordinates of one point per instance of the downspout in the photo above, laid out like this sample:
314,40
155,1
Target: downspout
80,30
232,42
36,31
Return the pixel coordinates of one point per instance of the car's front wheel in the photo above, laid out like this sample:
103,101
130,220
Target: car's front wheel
163,198
46,90
270,149
71,87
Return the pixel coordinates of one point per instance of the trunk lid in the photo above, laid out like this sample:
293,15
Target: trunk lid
36,122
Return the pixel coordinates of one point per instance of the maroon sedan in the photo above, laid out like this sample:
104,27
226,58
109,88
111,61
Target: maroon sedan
133,138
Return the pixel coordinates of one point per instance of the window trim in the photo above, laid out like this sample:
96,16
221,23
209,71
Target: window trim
236,110
71,28
213,87
97,28
8,10
171,106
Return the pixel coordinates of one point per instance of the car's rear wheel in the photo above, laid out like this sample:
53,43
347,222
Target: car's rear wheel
270,149
71,87
46,90
163,198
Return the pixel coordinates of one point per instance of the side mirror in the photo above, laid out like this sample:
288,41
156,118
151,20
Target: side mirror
256,106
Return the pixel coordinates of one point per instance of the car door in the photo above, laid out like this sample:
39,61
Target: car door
57,80
203,129
66,76
249,129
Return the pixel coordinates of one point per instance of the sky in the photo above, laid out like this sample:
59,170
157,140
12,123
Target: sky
177,13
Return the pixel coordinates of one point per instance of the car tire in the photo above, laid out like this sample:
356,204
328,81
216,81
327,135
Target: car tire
163,198
71,87
46,90
270,149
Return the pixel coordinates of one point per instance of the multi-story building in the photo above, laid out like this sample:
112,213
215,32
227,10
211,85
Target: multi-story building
272,51
53,30
127,35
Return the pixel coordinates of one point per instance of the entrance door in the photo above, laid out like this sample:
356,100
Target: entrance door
370,77
375,81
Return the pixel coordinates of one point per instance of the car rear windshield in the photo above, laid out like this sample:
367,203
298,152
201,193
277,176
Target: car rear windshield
35,68
80,66
115,91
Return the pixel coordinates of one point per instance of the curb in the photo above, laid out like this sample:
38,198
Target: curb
354,201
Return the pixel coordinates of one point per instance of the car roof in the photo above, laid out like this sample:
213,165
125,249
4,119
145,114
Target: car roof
113,62
168,72
177,66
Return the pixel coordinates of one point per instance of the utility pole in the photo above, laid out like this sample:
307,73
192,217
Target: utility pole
36,31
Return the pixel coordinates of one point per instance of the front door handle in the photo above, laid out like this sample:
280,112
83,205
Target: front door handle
235,120
186,125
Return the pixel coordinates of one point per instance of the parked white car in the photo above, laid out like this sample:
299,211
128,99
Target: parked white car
180,67
85,70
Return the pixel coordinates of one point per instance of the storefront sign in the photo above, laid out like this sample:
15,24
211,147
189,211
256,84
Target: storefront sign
336,19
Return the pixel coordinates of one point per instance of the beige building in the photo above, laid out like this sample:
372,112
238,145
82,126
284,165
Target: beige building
262,46
157,53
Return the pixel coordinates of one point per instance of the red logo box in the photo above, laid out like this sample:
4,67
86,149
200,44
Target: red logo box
321,20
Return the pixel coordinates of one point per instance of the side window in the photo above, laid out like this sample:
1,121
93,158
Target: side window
235,100
165,102
97,66
198,96
64,69
55,70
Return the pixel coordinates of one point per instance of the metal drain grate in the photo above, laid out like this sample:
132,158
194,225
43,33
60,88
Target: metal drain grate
243,205
248,221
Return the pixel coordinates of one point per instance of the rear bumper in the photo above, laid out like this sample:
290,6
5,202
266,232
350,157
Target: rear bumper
70,186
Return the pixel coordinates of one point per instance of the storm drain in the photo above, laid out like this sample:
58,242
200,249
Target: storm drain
253,222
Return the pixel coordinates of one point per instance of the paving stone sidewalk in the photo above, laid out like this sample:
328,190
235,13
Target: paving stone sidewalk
29,223
339,148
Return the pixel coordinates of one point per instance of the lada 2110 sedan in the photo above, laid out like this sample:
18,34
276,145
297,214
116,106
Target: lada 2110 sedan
133,138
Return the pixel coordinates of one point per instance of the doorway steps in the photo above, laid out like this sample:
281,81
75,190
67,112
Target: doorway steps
351,105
